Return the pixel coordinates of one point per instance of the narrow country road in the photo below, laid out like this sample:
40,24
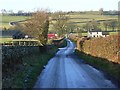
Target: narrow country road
66,70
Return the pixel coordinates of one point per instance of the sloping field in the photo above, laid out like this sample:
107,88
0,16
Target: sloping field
78,19
6,19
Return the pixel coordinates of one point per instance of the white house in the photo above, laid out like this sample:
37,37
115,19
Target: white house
97,33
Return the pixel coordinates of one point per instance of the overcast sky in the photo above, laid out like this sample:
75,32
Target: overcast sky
59,5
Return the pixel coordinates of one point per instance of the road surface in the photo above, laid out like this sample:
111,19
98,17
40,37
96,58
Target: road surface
66,70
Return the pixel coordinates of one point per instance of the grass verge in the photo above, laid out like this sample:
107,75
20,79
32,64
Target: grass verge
111,69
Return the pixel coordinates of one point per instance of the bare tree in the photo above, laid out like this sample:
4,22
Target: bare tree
38,26
4,12
113,24
60,23
101,11
70,27
91,25
106,25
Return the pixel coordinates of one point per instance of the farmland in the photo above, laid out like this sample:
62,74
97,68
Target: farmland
77,18
90,17
6,19
80,19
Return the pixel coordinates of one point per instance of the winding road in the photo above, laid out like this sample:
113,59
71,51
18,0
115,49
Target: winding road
66,70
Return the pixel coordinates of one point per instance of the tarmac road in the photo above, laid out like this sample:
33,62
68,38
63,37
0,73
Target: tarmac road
66,70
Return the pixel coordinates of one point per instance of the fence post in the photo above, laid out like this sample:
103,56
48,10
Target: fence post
24,43
19,43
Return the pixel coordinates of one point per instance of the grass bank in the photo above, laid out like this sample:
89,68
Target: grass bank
111,69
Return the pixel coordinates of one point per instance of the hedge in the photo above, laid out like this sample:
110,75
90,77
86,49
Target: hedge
103,47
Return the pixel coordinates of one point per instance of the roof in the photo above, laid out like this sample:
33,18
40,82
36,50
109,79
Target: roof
94,30
105,33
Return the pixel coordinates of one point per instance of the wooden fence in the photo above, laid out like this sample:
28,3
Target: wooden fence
22,42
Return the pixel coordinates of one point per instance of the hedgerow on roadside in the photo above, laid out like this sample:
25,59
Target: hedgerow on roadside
107,47
102,53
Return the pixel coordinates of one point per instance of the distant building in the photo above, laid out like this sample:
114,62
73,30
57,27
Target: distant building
97,33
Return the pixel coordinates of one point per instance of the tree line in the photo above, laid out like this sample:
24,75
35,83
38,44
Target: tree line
112,24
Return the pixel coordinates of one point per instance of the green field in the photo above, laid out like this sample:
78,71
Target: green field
77,19
3,40
74,18
80,19
6,19
90,17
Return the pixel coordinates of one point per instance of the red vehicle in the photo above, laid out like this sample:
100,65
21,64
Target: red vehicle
52,36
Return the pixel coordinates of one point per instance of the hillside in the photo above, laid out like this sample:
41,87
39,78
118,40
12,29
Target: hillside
77,18
7,18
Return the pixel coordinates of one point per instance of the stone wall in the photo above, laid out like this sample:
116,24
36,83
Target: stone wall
15,53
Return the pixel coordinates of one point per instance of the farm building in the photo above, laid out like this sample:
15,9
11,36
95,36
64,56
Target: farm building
97,33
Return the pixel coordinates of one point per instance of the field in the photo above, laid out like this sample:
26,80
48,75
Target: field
6,19
77,19
3,40
89,17
80,19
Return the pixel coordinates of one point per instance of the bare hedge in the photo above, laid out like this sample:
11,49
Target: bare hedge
108,47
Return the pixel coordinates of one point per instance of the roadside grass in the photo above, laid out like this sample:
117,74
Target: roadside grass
112,69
